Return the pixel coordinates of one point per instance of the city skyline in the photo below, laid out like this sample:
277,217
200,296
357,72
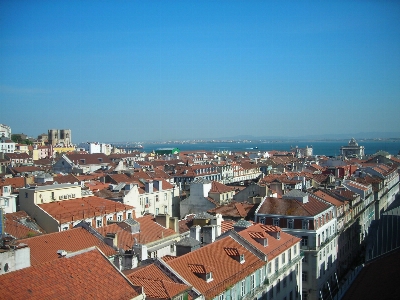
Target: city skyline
122,71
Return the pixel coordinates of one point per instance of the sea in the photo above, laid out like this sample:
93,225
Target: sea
328,148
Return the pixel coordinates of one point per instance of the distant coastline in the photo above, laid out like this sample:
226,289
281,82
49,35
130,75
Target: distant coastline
320,147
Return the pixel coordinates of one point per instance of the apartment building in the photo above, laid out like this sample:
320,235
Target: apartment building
314,221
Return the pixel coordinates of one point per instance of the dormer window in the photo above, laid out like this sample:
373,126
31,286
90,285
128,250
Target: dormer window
275,222
235,254
241,259
209,277
202,271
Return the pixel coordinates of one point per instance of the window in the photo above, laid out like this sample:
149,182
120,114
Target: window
65,228
269,268
304,276
290,224
271,293
278,286
275,222
291,276
209,276
253,281
284,282
99,222
165,197
156,198
157,211
141,201
305,258
172,248
129,215
26,195
305,224
119,218
295,249
304,240
276,264
242,288
283,258
221,297
304,295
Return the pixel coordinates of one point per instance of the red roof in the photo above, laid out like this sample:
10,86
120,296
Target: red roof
85,276
44,247
15,228
81,208
225,269
150,231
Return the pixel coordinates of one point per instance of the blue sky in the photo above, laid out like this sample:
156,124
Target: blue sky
158,70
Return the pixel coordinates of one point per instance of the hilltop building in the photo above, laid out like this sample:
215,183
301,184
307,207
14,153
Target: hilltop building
59,136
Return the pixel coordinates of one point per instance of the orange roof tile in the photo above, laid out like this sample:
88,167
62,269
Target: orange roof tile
150,231
225,270
81,208
85,276
44,247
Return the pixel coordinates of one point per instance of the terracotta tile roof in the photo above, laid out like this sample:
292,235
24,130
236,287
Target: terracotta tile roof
22,155
225,270
156,283
85,276
275,247
233,210
233,251
328,198
25,169
220,188
320,178
292,207
89,159
200,268
227,225
150,231
69,178
15,182
81,208
345,193
14,225
44,247
95,185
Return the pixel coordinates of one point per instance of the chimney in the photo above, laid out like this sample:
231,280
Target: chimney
149,186
141,251
111,239
158,184
61,253
217,221
209,234
174,224
163,220
195,232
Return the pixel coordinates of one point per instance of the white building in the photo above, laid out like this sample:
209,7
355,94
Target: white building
94,147
314,221
7,145
5,131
